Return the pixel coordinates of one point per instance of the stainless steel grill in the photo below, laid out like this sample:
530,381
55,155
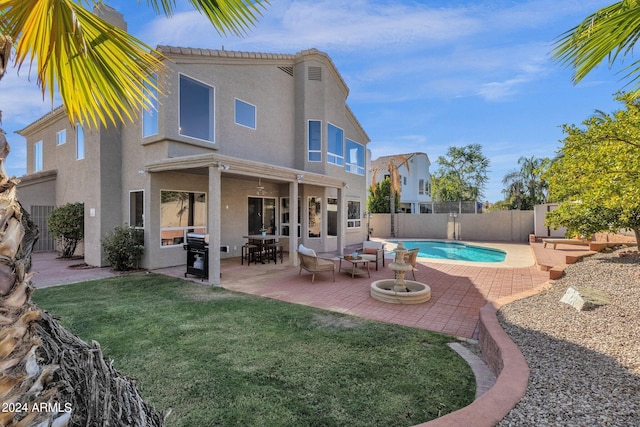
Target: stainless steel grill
197,248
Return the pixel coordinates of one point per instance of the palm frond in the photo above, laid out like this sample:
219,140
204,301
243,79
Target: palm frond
609,33
99,70
236,16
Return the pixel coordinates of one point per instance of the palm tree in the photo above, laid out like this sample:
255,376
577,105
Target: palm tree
514,182
100,72
391,167
526,185
607,33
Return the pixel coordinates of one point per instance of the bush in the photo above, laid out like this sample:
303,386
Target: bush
66,223
123,248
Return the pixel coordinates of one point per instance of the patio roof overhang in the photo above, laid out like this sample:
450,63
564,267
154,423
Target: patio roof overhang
200,164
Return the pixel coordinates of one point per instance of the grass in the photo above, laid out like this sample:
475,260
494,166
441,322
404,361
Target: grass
216,357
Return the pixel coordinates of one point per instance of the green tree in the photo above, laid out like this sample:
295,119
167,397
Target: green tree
596,175
391,167
610,32
100,72
66,223
525,187
461,175
379,200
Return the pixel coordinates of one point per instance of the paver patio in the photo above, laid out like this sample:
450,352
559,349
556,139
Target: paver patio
458,290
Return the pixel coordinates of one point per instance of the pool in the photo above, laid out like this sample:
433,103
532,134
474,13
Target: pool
455,251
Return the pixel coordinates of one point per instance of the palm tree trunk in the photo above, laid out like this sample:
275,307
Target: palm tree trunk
392,209
48,376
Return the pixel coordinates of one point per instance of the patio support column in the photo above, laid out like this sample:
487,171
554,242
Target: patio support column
213,224
293,223
342,221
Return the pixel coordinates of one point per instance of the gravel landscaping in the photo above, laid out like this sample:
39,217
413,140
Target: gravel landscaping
585,365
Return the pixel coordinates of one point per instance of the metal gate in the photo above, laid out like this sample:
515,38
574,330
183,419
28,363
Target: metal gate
40,215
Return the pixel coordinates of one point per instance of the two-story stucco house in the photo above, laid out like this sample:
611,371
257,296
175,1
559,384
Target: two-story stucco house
415,181
238,141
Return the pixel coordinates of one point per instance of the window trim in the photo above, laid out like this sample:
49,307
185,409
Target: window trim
235,114
212,105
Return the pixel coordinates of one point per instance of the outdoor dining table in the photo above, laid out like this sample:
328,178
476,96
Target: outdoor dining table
262,241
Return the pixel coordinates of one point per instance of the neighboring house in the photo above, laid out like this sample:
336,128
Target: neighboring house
239,141
416,181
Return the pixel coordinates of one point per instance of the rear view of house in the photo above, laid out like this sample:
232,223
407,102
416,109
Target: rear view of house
236,142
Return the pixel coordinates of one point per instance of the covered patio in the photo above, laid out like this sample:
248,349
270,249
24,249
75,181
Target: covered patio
230,185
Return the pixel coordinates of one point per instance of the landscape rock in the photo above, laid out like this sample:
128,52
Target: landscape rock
583,299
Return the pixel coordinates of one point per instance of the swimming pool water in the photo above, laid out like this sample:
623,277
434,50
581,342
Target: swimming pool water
455,251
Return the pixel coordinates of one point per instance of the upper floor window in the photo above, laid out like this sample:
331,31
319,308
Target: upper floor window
37,156
61,137
150,114
355,157
421,186
79,142
196,109
353,214
314,141
335,145
245,114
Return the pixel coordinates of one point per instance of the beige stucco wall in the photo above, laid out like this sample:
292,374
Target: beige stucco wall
510,226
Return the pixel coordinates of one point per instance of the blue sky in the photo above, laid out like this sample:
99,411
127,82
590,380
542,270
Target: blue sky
423,75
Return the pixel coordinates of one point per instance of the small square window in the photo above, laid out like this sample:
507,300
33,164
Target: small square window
61,137
245,114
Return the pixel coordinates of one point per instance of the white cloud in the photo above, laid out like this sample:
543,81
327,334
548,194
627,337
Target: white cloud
21,103
329,25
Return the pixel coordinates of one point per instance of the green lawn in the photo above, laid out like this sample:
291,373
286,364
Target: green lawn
222,358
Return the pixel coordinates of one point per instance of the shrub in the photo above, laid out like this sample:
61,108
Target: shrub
66,223
123,248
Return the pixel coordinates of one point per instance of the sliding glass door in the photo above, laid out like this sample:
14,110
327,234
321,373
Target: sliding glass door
262,215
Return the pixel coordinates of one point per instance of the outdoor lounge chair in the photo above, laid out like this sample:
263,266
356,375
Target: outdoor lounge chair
556,242
372,251
411,257
314,264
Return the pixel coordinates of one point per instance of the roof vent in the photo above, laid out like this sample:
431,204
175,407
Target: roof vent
315,73
288,70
